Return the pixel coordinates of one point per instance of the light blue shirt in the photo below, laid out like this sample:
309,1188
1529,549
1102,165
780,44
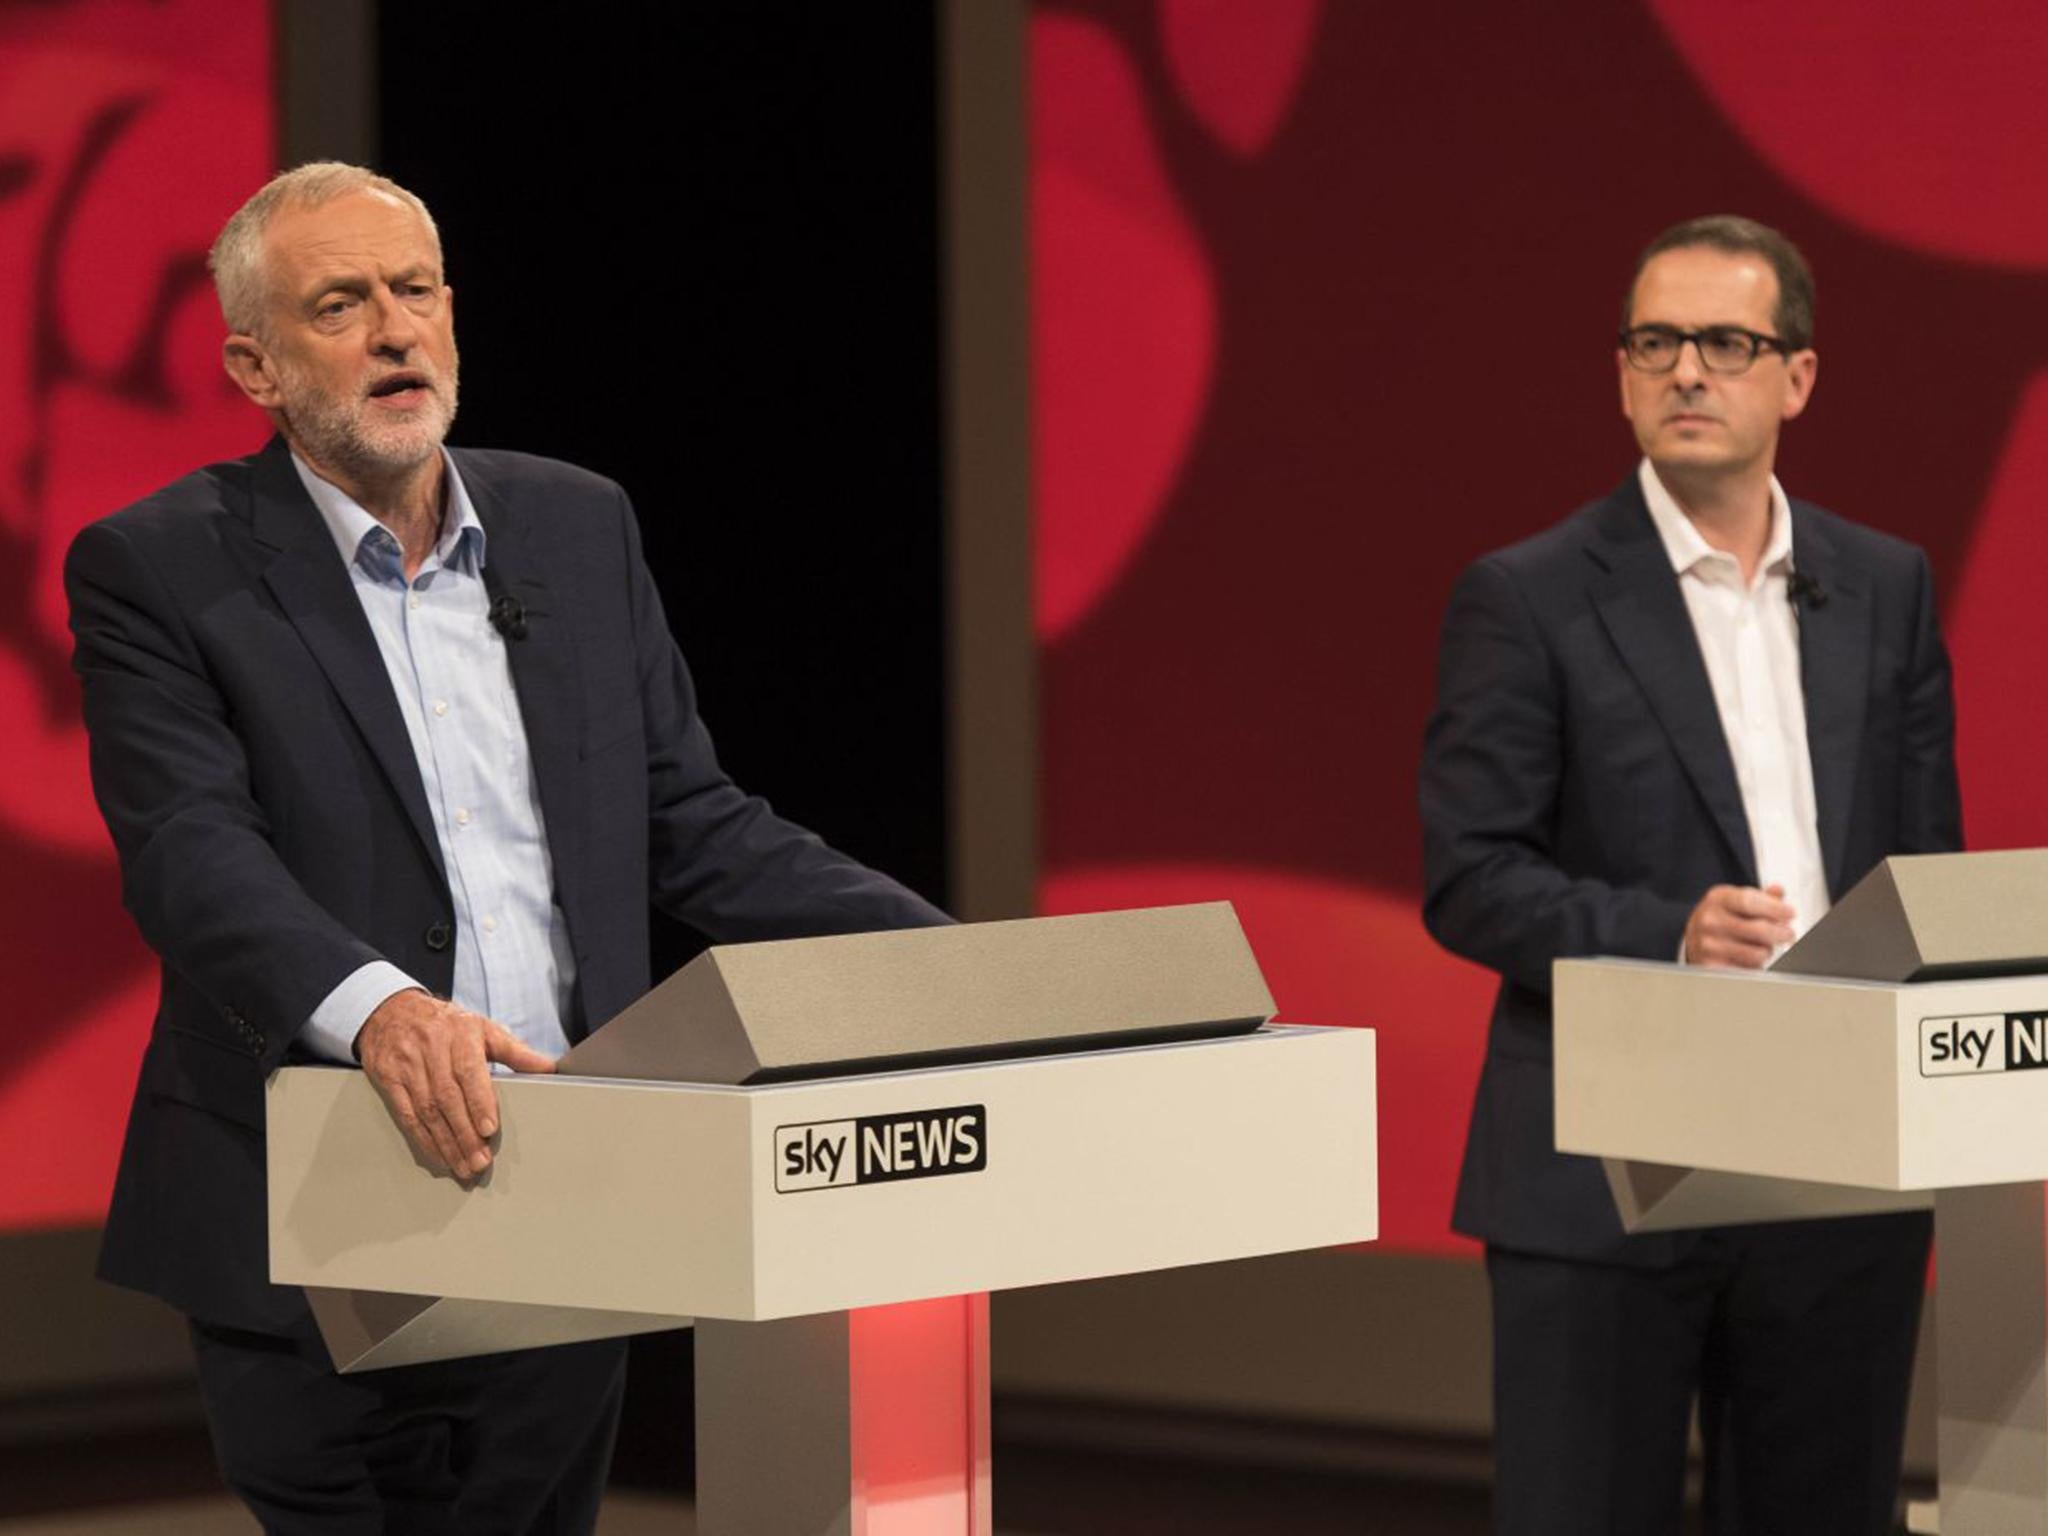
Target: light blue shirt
453,681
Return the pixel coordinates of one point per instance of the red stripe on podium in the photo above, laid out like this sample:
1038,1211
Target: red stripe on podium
919,1419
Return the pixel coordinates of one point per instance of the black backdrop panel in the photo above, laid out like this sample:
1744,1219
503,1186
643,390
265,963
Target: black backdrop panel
695,248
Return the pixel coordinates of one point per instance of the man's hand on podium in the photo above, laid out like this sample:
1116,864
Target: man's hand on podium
432,1063
1738,925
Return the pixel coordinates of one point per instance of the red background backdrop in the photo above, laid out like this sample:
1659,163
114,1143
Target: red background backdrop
1323,300
1322,295
128,132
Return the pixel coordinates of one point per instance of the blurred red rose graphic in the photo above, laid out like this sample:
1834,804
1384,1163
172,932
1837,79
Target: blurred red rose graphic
1123,345
128,132
1237,66
1923,127
1323,307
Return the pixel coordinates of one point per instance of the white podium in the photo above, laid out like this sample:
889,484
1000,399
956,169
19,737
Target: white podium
835,1239
1910,1074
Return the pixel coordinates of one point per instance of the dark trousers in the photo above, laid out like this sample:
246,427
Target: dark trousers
501,1445
1797,1339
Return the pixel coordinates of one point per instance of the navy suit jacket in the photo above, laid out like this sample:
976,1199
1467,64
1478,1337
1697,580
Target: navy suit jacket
251,762
1578,798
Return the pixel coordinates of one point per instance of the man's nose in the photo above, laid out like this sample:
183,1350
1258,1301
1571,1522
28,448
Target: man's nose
1690,369
395,330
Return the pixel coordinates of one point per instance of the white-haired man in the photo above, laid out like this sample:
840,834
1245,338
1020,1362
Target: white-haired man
395,748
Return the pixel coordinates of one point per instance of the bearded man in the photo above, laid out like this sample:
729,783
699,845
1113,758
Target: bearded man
396,749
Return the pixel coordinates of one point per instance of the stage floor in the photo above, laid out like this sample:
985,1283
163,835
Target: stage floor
625,1514
1039,1492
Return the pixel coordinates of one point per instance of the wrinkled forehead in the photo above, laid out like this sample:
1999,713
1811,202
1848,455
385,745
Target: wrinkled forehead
363,234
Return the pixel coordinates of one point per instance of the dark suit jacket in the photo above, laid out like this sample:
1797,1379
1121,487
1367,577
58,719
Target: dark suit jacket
273,831
1578,797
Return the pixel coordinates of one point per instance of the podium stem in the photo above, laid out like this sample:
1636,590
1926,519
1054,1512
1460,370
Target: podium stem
866,1423
1991,1336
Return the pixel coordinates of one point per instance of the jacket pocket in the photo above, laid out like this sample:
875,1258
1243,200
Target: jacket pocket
206,1074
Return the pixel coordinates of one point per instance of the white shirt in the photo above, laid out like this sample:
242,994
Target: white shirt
1749,637
453,682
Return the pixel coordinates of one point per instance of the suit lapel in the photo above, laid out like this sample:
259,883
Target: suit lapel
543,664
1834,669
312,587
1640,604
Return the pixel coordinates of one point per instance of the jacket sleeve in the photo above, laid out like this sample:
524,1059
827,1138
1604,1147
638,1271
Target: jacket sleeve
1493,762
1930,803
198,872
720,859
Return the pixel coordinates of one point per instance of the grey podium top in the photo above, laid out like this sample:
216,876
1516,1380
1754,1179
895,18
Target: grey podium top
1934,917
788,1009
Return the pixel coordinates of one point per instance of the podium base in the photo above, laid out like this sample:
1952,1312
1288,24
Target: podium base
1656,1197
373,1330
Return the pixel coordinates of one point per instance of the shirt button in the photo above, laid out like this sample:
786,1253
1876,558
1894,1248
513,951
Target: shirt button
440,706
412,599
490,925
462,816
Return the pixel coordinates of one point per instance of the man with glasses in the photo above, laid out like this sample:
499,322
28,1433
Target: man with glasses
1676,726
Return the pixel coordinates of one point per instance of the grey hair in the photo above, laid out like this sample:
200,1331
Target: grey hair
236,259
1733,235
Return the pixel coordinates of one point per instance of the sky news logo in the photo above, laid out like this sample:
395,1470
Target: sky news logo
876,1149
1967,1044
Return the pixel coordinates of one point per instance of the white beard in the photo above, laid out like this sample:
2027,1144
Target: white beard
352,436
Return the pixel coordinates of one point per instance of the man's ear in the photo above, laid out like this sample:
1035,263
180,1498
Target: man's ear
1801,369
249,365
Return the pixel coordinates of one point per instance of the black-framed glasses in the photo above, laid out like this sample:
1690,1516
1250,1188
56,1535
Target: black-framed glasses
1722,348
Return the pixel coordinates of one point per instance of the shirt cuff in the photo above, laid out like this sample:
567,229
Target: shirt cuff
331,1032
